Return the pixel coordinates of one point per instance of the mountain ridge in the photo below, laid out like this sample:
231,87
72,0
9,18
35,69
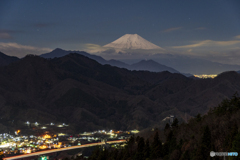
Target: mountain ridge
151,67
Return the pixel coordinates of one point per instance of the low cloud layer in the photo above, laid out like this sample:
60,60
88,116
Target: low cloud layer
237,37
109,53
210,43
15,49
93,48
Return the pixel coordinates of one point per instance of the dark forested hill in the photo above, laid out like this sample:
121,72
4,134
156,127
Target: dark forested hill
79,91
218,131
5,59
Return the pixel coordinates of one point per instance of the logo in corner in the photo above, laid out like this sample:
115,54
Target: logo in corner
212,153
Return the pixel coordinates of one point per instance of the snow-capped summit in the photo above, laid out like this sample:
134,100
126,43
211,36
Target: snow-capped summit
132,41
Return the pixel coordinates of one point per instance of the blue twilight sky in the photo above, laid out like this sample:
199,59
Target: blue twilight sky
191,27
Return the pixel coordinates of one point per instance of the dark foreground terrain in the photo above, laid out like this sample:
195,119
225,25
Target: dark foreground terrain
79,91
217,131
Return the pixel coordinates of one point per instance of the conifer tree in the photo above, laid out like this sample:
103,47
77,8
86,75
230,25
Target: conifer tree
230,137
137,139
130,144
120,155
156,151
167,126
175,122
180,144
103,155
147,149
126,154
114,154
165,149
156,140
198,117
205,145
167,144
185,156
140,149
206,139
236,144
95,153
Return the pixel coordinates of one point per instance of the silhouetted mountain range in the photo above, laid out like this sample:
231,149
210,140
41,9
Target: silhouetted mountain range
188,64
77,90
60,53
166,62
148,65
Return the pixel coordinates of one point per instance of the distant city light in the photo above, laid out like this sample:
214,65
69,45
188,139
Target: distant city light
134,131
4,145
206,76
47,136
61,134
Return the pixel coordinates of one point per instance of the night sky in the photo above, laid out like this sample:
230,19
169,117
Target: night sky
198,28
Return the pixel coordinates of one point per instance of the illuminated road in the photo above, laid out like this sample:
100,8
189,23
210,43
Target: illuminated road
61,149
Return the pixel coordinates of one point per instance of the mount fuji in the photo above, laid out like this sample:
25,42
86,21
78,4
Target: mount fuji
132,41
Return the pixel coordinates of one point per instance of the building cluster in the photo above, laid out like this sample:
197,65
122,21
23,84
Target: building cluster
11,145
19,144
169,119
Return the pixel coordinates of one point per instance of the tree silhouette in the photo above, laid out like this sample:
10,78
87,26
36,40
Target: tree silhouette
205,145
167,126
147,149
236,144
140,149
175,122
156,151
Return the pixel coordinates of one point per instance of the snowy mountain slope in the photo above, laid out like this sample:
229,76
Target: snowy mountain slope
131,41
